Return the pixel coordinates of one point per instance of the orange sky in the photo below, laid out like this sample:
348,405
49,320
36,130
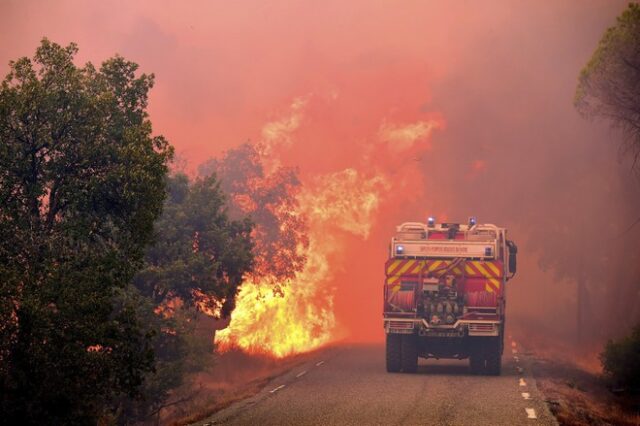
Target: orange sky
498,76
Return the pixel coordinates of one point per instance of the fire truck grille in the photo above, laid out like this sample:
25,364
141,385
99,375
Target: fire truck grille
477,329
401,325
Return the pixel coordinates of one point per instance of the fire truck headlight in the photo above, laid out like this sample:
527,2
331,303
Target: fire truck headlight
399,249
431,222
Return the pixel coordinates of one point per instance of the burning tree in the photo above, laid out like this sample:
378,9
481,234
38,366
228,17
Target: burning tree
286,304
280,233
199,256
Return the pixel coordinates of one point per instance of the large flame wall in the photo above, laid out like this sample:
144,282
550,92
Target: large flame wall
341,207
390,110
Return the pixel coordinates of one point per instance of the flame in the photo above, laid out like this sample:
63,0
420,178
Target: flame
297,315
403,137
345,199
301,318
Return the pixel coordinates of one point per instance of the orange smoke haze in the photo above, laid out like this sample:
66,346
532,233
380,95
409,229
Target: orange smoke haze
392,111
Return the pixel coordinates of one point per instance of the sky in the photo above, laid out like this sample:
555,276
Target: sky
462,108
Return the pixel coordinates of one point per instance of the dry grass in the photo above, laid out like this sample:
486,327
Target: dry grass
203,408
233,376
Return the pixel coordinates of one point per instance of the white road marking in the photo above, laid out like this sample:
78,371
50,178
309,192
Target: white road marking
318,364
302,374
526,395
516,359
531,413
276,389
520,370
514,350
513,344
523,383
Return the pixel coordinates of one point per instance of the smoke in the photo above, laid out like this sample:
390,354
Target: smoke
442,109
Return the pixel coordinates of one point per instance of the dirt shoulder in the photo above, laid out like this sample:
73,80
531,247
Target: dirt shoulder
579,397
571,382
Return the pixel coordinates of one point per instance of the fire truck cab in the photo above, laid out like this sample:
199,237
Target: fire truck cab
445,294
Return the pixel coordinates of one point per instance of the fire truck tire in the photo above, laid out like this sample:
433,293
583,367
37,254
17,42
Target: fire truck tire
476,363
393,353
409,353
494,360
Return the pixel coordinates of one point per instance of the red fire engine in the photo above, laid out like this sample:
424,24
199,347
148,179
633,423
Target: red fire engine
445,294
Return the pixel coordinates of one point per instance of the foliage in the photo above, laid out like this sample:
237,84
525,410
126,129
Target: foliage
200,255
198,261
82,180
621,360
608,85
270,200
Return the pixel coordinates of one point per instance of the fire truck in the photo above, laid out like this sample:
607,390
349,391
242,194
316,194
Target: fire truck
445,294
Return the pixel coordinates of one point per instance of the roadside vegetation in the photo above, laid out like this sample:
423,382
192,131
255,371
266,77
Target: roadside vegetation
116,271
607,394
621,362
608,89
106,258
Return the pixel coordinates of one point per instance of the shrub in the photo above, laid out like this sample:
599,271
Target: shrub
621,361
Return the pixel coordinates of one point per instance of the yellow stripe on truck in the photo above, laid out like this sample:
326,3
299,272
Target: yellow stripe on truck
434,265
393,266
491,285
468,270
483,271
494,268
417,269
406,267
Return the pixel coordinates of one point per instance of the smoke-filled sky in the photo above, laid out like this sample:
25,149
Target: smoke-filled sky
334,80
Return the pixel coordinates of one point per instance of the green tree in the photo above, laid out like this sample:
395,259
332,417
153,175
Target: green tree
82,180
197,263
608,86
199,256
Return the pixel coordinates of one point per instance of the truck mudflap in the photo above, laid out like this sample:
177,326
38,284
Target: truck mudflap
474,328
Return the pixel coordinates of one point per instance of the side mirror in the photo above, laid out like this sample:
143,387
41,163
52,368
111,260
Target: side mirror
513,252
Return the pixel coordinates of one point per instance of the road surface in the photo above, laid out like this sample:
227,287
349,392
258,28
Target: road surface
348,385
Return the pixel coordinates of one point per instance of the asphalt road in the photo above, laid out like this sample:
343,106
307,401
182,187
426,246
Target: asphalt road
348,385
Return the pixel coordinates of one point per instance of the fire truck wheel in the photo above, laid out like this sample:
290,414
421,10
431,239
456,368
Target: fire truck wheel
409,353
476,363
393,353
494,361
